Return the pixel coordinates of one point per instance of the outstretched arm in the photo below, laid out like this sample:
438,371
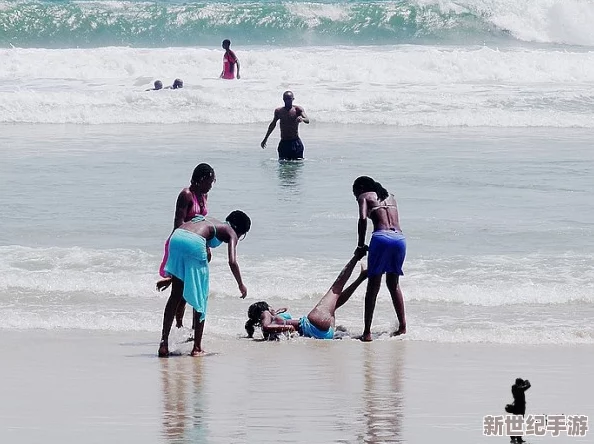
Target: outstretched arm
270,129
269,325
362,225
234,266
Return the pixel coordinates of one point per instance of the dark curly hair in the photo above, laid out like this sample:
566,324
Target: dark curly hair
240,222
178,84
365,184
201,172
254,316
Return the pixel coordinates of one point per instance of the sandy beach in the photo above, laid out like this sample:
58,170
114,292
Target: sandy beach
92,387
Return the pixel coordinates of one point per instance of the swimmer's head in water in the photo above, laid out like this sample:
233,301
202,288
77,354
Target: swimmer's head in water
288,98
177,84
254,316
365,184
203,178
158,85
240,222
226,43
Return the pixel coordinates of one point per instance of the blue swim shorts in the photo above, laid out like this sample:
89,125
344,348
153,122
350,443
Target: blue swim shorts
387,251
308,330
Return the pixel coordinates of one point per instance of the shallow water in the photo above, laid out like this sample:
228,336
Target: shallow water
499,225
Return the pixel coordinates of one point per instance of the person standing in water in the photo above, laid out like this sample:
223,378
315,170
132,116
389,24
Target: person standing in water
230,61
290,146
191,202
387,248
187,264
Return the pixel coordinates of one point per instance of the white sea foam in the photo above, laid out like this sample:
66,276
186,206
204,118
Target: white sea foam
477,299
222,325
68,273
551,21
402,86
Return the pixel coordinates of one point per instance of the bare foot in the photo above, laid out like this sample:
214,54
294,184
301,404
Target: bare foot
197,352
163,350
366,337
400,331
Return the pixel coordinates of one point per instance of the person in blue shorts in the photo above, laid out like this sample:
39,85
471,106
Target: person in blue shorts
387,248
319,323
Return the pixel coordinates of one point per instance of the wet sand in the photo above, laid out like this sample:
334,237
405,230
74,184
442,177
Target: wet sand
74,386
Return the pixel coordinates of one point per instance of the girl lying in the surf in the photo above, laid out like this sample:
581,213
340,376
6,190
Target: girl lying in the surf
319,323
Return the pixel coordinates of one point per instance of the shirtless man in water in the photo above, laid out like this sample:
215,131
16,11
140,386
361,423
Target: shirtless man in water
290,146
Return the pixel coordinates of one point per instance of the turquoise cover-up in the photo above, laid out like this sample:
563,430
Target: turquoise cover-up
188,262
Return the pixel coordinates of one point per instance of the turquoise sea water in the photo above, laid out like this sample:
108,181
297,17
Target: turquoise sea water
161,24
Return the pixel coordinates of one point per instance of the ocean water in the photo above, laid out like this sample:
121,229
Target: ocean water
477,115
499,226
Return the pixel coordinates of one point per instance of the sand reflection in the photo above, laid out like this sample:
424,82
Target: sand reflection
184,404
382,394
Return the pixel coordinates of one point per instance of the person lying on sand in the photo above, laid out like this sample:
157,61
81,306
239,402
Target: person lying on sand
319,323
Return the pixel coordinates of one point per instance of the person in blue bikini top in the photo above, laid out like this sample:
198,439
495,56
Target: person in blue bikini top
319,322
187,264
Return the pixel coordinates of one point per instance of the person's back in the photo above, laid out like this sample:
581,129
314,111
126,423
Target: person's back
383,214
210,229
387,248
187,264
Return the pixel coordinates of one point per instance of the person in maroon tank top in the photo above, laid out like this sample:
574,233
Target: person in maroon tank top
230,61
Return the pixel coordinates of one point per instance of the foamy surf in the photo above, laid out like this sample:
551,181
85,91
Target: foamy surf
400,86
487,281
458,299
